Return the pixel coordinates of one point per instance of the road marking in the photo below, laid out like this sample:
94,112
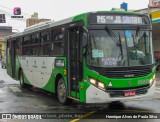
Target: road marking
92,112
157,88
143,111
15,89
84,116
157,91
1,91
156,97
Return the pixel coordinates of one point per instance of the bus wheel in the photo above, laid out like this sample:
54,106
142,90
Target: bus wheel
21,80
62,93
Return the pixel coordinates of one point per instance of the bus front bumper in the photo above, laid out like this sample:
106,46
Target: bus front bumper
95,95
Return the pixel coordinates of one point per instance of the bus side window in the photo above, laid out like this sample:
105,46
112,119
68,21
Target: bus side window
17,46
41,50
26,45
26,40
20,46
57,46
45,43
8,47
45,37
34,50
26,50
35,44
35,38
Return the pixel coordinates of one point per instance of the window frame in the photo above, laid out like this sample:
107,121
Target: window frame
42,43
26,45
56,32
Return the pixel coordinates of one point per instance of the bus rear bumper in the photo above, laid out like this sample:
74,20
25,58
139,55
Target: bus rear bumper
95,95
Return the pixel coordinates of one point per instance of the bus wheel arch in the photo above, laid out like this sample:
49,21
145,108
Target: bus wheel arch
58,83
19,71
58,77
21,78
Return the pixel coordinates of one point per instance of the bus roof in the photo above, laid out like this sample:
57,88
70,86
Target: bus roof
48,24
122,12
40,26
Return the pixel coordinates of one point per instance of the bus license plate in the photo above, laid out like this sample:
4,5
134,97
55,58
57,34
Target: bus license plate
129,93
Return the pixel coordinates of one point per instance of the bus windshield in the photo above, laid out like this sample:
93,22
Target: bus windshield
122,49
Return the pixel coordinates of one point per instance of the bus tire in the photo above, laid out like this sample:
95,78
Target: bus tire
21,79
62,92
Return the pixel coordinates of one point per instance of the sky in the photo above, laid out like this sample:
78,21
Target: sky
60,9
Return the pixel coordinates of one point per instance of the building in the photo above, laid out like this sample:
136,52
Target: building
4,31
155,3
35,20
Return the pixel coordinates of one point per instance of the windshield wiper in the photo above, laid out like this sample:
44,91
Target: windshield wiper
115,38
111,33
134,43
120,45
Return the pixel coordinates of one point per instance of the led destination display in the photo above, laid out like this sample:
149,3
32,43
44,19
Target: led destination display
116,19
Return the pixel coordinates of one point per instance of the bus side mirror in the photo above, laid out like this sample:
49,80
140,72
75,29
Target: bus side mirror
85,37
85,42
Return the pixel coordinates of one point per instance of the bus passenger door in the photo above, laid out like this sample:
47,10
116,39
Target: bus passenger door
13,58
74,60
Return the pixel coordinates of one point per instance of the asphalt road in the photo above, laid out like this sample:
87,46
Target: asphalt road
13,99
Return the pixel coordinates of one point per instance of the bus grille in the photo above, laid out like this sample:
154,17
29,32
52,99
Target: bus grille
120,93
124,72
127,73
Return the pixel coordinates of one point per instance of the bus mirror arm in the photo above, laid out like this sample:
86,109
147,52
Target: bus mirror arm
85,43
84,51
85,40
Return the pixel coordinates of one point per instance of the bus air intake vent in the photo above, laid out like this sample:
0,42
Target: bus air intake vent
124,72
127,73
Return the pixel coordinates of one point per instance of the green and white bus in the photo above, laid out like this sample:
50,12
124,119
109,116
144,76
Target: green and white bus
95,57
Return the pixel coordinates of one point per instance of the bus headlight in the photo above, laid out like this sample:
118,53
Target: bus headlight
101,85
152,79
93,81
96,83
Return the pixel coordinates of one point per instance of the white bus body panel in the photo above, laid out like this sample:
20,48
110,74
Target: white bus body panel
37,69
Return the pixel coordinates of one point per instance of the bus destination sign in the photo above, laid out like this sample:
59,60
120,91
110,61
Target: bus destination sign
116,19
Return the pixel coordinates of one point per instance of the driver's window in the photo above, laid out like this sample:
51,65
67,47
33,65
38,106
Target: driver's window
141,44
